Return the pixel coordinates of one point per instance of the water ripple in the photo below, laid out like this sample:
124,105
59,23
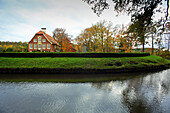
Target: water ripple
149,93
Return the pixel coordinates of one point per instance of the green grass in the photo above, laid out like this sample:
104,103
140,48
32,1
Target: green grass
84,63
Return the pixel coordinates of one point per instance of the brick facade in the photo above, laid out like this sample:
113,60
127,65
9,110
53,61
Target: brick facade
42,42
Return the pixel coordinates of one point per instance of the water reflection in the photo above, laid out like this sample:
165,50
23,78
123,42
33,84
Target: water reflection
149,93
145,94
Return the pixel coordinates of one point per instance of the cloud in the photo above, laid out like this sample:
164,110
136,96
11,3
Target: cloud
19,32
23,18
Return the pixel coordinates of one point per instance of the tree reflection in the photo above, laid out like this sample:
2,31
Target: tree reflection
145,94
107,86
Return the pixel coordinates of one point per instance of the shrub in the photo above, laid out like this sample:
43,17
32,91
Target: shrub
165,54
9,49
2,49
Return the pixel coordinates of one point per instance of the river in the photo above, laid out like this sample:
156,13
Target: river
148,93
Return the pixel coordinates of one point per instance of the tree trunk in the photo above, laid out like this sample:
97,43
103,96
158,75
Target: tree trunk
168,43
102,44
143,47
152,45
143,42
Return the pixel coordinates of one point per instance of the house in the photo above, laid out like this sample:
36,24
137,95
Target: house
43,42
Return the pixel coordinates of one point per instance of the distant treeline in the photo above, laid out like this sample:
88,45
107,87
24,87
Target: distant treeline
13,46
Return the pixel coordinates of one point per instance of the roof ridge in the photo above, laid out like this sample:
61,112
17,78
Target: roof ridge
50,38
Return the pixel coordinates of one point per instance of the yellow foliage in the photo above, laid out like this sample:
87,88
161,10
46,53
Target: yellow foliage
10,46
7,46
78,48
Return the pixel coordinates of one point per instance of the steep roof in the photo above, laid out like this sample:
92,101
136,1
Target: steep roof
49,38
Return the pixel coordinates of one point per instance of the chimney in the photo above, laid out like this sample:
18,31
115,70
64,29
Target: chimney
43,29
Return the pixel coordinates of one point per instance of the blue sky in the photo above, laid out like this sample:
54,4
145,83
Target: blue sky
21,19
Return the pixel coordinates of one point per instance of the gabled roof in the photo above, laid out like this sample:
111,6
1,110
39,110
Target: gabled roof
49,38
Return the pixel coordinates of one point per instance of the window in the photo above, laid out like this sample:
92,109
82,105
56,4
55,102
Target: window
35,46
44,46
44,40
30,46
35,40
39,39
39,46
48,46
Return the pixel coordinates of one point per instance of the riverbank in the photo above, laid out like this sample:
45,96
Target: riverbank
82,65
72,78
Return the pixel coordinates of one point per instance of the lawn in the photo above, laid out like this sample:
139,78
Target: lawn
84,63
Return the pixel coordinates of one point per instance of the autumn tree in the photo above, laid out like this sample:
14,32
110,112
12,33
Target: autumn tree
105,35
109,41
97,38
86,39
13,46
62,38
141,12
124,39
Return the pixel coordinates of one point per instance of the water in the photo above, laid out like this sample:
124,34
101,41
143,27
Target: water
149,93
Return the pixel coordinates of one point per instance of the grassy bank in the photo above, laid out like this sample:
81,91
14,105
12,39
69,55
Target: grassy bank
83,63
71,78
82,80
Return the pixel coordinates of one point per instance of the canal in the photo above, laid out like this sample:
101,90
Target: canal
147,93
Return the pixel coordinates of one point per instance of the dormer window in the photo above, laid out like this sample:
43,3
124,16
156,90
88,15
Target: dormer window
39,39
35,40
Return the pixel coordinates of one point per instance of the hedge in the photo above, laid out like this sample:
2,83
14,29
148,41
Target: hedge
86,55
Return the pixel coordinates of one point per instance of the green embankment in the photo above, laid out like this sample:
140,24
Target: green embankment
77,65
83,63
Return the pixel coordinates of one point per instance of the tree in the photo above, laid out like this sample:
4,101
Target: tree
152,30
120,40
128,6
160,31
167,25
97,38
62,38
141,12
109,38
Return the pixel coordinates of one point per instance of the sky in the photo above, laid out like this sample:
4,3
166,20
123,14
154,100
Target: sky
21,19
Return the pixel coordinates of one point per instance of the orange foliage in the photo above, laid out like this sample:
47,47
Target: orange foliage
63,39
